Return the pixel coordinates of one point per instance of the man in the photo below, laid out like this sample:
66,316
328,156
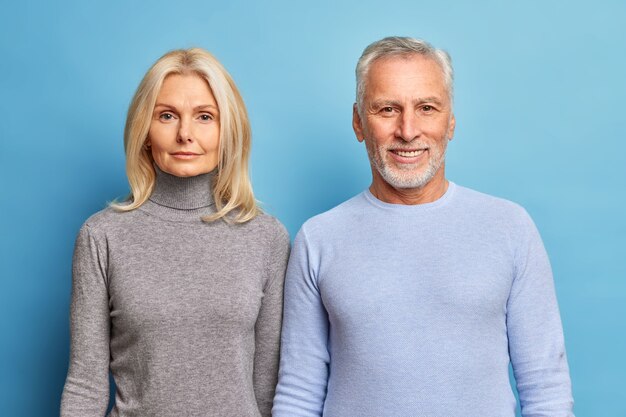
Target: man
412,298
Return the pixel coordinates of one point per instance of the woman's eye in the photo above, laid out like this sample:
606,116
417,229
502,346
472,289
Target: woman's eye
166,116
206,117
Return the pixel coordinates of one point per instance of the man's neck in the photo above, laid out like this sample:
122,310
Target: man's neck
431,191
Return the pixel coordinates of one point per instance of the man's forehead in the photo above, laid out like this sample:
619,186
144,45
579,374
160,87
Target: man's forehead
407,64
418,69
393,76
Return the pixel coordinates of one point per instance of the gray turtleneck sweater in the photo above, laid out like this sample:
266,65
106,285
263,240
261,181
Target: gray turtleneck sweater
185,314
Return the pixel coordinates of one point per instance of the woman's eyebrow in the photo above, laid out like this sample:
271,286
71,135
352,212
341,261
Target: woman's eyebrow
201,106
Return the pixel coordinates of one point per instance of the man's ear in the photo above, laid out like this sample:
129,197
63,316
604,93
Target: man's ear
451,127
356,123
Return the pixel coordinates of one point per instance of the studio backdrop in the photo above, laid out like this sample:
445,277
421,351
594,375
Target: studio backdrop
539,104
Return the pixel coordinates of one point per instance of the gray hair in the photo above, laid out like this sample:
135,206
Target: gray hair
401,46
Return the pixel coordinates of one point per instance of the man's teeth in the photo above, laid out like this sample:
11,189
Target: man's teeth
409,154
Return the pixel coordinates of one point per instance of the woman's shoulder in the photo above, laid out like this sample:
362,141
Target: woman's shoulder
268,226
109,219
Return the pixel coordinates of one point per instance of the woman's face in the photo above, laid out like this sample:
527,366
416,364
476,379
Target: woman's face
185,128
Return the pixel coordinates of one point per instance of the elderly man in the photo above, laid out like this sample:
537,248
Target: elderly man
412,298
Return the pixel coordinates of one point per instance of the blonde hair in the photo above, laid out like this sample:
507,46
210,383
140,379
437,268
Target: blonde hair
232,189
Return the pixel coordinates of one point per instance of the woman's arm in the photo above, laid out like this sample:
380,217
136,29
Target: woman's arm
86,391
268,324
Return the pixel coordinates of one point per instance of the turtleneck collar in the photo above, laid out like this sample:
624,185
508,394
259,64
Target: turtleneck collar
183,193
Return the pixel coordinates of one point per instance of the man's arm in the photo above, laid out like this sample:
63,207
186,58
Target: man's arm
304,360
535,333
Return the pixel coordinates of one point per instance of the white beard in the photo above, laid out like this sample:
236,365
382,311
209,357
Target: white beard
405,175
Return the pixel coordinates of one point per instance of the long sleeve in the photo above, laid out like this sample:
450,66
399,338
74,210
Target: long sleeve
268,325
304,362
86,391
535,333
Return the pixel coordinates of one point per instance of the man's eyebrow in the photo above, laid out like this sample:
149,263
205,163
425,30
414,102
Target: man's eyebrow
384,103
432,99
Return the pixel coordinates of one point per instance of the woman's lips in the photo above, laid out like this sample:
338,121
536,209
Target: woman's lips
185,155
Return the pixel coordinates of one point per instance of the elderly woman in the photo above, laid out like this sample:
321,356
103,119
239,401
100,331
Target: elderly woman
178,291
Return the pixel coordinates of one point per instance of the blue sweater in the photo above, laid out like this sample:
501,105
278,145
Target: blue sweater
398,310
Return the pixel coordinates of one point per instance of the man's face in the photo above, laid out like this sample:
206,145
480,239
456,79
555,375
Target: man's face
406,121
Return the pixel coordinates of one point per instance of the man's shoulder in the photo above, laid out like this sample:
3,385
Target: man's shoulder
329,220
478,203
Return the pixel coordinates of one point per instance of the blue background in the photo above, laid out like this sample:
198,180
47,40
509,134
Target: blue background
540,120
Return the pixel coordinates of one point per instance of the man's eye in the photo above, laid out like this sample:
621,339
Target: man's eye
427,108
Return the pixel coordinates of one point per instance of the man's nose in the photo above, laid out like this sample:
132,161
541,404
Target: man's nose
408,126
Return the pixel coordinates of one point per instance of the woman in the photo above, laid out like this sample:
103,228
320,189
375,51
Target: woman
178,292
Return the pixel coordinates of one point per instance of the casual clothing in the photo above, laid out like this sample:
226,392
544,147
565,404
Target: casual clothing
417,310
185,314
